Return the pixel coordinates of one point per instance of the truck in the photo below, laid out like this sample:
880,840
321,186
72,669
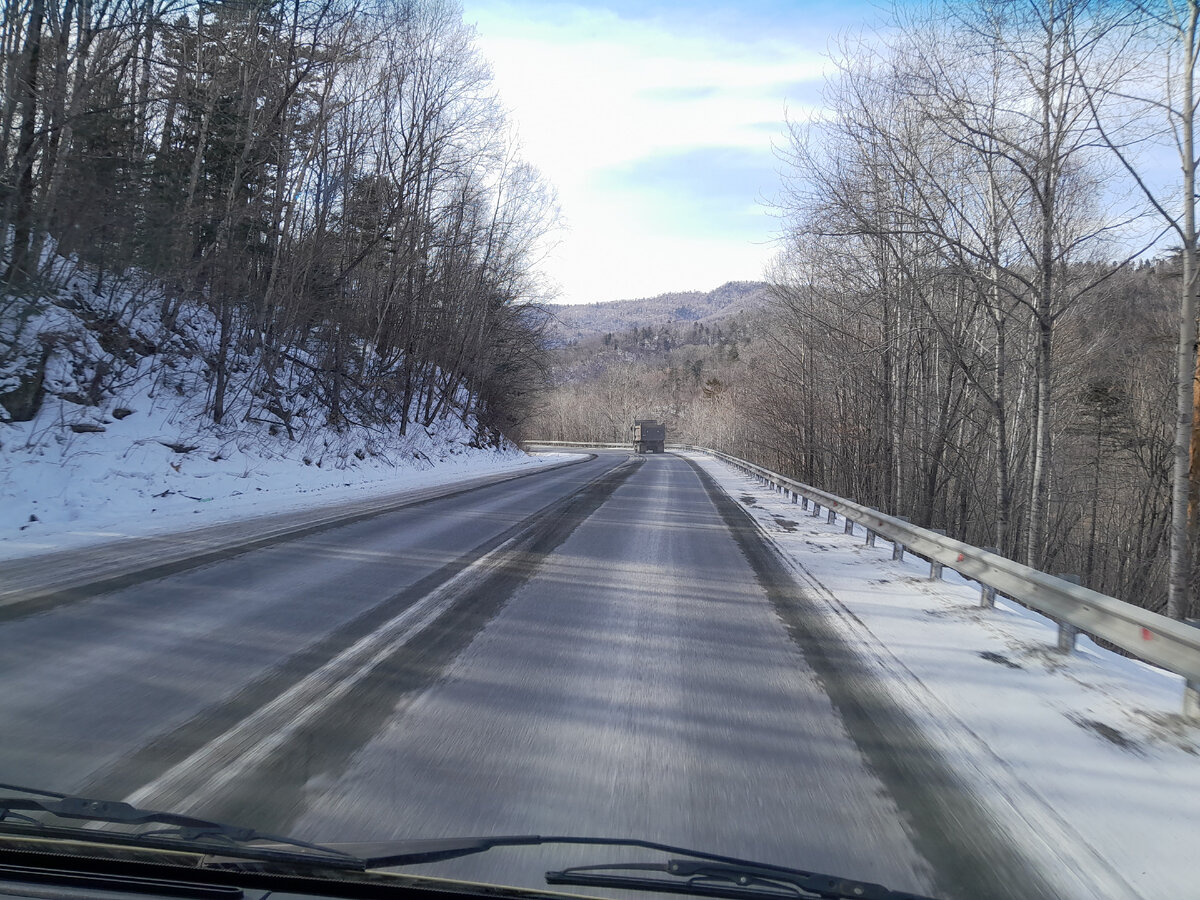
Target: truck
649,436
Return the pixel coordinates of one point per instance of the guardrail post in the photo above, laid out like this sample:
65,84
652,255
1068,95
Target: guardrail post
831,518
869,541
1191,700
795,497
987,593
816,509
1191,689
897,547
935,567
804,503
849,529
1067,633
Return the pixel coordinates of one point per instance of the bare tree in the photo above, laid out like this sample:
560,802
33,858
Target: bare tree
333,180
1165,36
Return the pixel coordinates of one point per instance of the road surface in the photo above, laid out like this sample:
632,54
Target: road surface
607,648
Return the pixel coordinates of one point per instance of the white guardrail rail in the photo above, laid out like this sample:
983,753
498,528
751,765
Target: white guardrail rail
582,445
1149,636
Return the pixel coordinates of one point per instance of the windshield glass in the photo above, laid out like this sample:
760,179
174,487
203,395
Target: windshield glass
762,429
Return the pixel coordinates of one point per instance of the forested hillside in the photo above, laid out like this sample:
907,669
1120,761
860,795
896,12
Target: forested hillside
319,201
910,426
678,367
578,322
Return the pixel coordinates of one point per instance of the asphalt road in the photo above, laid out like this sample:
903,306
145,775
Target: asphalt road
607,648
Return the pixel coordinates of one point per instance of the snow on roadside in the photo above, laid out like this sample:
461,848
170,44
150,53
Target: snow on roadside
121,442
125,481
1084,756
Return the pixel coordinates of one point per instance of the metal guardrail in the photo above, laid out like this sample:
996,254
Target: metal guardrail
1146,635
583,445
1151,637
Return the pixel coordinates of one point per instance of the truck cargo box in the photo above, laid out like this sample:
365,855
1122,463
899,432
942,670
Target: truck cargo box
649,436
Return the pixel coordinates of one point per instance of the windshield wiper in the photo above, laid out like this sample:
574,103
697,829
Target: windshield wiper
182,832
744,881
706,874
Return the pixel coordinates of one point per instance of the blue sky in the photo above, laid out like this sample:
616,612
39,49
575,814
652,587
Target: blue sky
655,121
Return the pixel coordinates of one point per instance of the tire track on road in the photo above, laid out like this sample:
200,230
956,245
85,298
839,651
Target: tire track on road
968,850
250,760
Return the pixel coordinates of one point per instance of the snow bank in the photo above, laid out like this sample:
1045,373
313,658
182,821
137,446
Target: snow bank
125,483
122,444
1084,756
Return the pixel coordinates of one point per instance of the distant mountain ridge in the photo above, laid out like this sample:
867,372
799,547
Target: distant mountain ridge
580,321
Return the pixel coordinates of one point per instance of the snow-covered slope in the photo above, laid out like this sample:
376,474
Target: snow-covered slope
122,444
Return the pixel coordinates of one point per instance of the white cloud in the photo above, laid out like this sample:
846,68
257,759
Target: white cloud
611,258
592,93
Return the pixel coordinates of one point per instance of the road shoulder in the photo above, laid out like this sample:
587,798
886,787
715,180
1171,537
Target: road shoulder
1082,758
